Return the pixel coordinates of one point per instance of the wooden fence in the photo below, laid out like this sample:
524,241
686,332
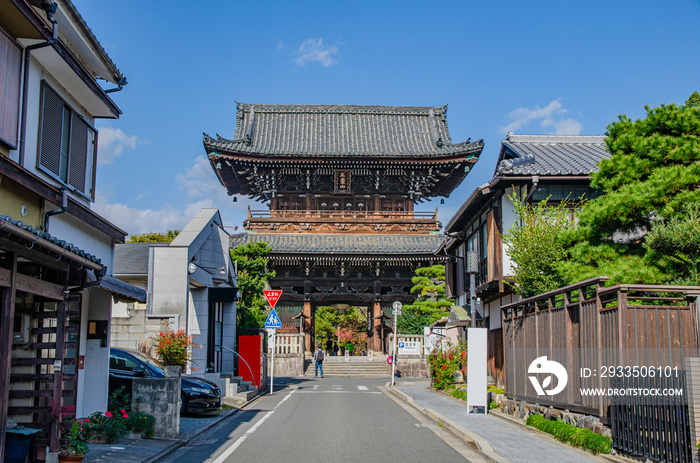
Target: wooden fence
586,325
652,429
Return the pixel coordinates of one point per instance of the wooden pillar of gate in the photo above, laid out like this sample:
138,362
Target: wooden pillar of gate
61,321
7,318
307,320
375,336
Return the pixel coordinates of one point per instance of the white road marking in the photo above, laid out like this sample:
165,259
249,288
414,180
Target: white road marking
339,392
337,387
363,388
221,458
285,398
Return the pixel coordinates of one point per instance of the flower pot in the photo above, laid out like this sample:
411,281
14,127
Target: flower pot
66,458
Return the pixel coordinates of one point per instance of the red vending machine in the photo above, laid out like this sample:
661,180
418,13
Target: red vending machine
250,350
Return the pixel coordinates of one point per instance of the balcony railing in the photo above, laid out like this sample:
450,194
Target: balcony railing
326,214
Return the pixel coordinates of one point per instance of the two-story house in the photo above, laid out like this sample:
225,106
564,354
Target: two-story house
535,168
56,254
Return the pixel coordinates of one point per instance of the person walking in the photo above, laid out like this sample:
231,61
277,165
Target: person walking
329,347
318,357
335,349
349,348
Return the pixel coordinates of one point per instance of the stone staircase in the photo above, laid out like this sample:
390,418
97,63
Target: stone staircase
233,389
354,367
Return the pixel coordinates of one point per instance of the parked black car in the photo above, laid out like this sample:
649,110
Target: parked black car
196,394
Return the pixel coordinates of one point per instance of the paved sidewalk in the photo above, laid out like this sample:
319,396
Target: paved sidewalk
509,441
148,450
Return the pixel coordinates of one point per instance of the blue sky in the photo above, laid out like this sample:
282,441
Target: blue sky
530,67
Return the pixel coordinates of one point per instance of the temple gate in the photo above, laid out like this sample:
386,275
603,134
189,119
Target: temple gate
341,183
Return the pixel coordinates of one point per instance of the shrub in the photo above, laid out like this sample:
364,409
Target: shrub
75,441
174,348
107,427
578,437
495,390
444,365
459,393
141,423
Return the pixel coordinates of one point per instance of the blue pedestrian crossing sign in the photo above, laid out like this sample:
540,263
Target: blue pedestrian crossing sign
273,321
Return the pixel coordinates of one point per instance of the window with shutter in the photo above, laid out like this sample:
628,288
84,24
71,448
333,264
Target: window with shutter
10,72
67,147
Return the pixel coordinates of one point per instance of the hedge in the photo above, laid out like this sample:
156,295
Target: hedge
578,437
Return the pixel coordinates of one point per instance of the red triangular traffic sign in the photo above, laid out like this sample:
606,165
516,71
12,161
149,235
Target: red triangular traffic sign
272,296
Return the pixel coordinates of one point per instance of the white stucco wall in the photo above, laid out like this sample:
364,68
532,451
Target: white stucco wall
168,286
508,220
37,73
93,381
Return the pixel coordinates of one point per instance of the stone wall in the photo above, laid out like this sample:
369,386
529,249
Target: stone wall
129,332
160,397
287,364
413,367
522,409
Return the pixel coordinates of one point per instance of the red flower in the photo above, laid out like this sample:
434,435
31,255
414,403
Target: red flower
125,415
108,414
444,366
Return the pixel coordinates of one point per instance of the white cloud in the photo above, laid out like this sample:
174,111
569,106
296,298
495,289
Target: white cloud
200,189
111,144
551,118
314,50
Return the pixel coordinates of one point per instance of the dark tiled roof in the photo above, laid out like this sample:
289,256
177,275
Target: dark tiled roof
132,258
121,288
527,155
553,155
342,244
342,130
70,247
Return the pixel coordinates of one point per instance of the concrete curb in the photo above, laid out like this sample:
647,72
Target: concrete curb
182,442
459,431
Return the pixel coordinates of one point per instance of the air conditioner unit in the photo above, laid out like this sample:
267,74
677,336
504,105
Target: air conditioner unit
20,331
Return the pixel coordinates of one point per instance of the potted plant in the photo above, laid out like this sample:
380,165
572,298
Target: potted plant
75,445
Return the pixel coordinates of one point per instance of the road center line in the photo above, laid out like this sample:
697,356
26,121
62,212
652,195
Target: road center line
285,398
221,458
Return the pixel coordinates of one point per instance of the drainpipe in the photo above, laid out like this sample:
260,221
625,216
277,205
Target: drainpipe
25,83
61,210
120,85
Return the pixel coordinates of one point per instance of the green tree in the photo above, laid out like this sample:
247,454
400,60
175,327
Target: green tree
652,177
154,237
679,238
536,246
430,305
341,324
253,275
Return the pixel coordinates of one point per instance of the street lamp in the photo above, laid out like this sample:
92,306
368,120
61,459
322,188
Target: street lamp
472,261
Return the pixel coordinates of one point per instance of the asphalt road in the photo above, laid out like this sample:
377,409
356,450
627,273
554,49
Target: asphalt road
326,419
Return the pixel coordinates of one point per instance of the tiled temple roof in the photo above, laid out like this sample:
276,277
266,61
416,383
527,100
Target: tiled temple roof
345,244
342,131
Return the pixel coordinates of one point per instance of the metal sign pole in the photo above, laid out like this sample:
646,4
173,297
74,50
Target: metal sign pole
272,367
397,310
393,354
